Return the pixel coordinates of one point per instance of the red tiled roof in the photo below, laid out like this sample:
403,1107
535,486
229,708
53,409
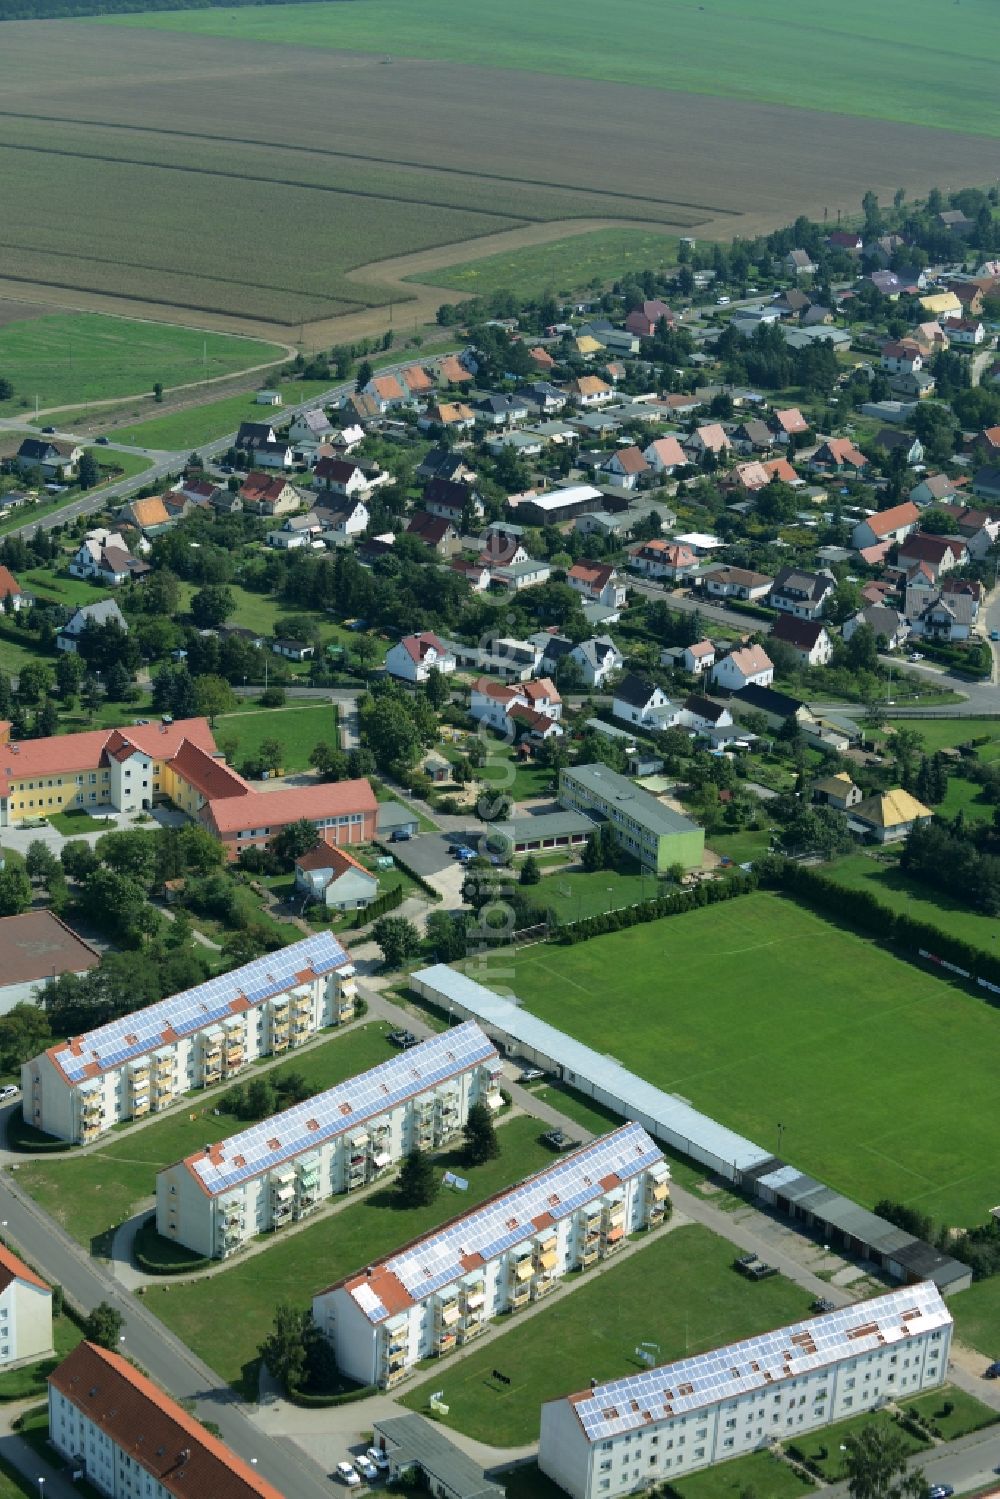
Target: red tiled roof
417,646
154,1431
11,1269
65,753
275,809
791,420
325,856
430,529
8,583
890,520
207,774
594,574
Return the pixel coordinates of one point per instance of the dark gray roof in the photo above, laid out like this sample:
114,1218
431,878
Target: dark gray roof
411,1441
635,690
392,815
811,585
766,700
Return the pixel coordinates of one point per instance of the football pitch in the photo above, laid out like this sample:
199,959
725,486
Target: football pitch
880,1078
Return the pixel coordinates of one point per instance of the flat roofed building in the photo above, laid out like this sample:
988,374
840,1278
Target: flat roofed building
647,829
129,1438
279,1171
25,1312
442,1290
143,1062
651,1428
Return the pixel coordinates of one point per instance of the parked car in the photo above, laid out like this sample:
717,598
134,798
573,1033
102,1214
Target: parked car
558,1140
995,634
531,1075
993,1372
8,1092
940,1491
102,442
376,1456
48,430
400,835
348,1474
366,1468
401,1038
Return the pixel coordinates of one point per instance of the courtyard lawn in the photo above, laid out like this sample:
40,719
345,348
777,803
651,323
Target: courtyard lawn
74,824
759,1012
758,1473
741,846
679,1292
298,729
977,1316
966,1414
93,1191
883,878
823,1447
86,356
504,774
224,1317
195,425
58,587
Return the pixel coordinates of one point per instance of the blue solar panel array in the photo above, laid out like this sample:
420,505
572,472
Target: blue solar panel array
498,1226
193,1009
345,1108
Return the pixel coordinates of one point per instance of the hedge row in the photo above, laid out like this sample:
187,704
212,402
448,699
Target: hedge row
417,878
379,906
318,1402
862,909
148,1234
705,893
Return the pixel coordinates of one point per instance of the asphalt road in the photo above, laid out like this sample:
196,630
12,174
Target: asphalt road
153,1346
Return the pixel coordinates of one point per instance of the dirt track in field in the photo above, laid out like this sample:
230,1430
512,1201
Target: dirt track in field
642,158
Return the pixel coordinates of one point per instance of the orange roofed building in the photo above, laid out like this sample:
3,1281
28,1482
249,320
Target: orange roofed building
114,1423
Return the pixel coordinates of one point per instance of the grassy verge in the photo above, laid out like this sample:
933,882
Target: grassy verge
823,1447
91,1193
224,1317
883,878
593,1333
214,418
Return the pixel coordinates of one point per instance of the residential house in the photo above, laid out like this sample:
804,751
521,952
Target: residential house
838,791
416,381
264,495
512,709
901,357
452,416
292,650
343,522
519,575
979,529
665,559
12,596
645,320
699,657
986,483
753,436
844,239
590,391
435,532
386,391
597,659
154,514
311,427
274,455
891,440
942,304
747,665
637,700
664,456
336,878
296,531
889,816
413,658
444,463
777,708
476,574
502,545
788,424
543,398
966,333
54,460
808,638
541,358
598,582
106,611
889,626
703,715
946,617
803,594
935,489
711,438
940,553
987,444
108,561
198,491
840,456
892,525
451,371
799,263
737,583
626,468
501,410
253,435
453,500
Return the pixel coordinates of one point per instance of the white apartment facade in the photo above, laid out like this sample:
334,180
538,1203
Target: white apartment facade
131,1441
144,1062
279,1171
651,1428
441,1291
25,1312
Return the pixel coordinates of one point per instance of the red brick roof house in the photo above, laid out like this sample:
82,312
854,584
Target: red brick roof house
434,531
341,811
646,319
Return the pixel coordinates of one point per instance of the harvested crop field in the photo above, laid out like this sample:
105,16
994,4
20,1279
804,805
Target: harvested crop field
257,187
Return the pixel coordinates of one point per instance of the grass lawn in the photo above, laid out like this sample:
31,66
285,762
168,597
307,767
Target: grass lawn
195,425
939,733
73,824
977,1316
75,357
758,1011
60,588
298,729
224,1317
573,895
721,47
741,845
93,1192
502,773
884,879
759,1473
823,1447
965,796
561,267
22,1384
967,1413
593,1332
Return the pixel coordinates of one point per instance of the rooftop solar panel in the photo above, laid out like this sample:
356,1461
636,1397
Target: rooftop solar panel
692,1383
497,1226
342,1109
188,1011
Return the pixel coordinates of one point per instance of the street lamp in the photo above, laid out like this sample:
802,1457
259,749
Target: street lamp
41,1485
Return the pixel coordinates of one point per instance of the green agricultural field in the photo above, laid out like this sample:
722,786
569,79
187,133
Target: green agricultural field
761,1013
225,1317
563,266
92,1191
721,47
679,1291
299,730
883,878
68,357
190,428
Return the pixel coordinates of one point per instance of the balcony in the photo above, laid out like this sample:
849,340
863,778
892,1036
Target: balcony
445,1342
395,1376
542,1285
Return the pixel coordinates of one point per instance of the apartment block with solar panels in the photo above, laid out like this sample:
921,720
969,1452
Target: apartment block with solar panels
144,1062
281,1170
651,1428
441,1291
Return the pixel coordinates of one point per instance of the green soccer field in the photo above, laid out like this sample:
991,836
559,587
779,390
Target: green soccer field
897,61
76,357
882,1076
